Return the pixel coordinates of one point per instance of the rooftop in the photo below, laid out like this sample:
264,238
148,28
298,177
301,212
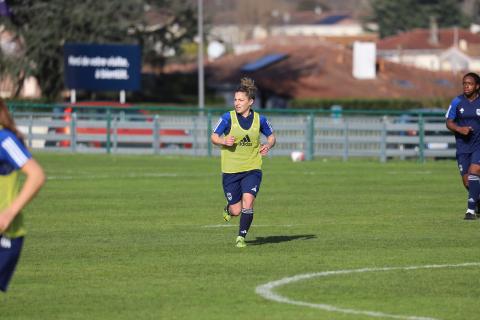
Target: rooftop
323,70
421,39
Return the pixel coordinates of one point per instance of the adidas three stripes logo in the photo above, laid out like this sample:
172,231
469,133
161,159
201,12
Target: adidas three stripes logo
245,141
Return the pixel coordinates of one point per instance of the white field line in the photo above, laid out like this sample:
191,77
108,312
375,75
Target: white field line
267,290
409,172
83,176
128,176
226,225
329,173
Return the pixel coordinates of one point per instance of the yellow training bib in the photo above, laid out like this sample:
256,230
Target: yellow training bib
244,155
9,188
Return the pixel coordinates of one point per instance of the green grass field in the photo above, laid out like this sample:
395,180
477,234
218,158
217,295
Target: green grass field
142,237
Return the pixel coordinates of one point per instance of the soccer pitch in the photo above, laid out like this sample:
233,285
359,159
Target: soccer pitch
142,237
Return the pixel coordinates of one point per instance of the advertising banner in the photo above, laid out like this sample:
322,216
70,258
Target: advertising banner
101,67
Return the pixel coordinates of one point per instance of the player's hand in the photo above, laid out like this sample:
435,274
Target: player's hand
229,141
465,130
6,218
264,149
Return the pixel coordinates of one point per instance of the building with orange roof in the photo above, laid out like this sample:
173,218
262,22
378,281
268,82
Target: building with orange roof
434,49
323,70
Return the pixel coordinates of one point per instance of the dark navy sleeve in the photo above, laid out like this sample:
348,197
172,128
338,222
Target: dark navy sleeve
12,151
265,126
452,109
223,125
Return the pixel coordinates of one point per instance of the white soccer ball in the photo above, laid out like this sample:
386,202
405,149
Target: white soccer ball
297,156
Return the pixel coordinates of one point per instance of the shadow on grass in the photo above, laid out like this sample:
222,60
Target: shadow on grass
277,239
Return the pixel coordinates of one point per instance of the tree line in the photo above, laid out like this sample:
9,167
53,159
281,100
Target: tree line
40,28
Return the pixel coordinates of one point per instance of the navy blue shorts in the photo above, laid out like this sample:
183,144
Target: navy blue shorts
464,160
236,184
9,254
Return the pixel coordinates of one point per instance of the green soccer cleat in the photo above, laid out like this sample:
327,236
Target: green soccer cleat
226,214
240,242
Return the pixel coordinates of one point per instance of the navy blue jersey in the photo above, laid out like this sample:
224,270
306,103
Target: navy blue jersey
466,113
13,154
225,122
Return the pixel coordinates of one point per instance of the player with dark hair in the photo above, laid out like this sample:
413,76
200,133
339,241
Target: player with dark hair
463,119
14,157
238,134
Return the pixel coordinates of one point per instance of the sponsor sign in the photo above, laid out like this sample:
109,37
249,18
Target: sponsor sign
102,67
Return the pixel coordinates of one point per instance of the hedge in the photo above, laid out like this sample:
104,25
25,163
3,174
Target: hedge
370,104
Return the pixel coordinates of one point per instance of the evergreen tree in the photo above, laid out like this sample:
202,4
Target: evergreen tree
396,16
43,26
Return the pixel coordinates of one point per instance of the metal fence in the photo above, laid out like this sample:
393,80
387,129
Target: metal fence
185,131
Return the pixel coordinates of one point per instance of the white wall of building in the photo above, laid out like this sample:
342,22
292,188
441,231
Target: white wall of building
364,60
318,30
430,60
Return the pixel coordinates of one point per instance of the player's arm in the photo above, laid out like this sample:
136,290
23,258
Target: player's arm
219,136
222,140
452,126
35,178
267,129
451,115
269,145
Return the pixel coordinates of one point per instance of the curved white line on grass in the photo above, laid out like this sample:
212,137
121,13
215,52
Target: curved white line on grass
267,290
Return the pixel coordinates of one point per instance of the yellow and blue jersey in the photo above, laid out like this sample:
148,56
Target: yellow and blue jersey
466,113
13,156
225,122
244,155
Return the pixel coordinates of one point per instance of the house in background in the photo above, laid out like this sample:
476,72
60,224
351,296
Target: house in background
453,49
245,38
322,70
323,24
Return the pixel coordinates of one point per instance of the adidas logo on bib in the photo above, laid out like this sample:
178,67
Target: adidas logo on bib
245,142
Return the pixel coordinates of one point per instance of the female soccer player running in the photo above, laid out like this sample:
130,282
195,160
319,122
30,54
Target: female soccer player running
463,119
238,134
14,157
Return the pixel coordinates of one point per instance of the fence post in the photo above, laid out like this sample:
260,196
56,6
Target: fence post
73,132
310,136
345,142
421,138
156,134
383,141
109,125
30,131
115,133
195,133
209,132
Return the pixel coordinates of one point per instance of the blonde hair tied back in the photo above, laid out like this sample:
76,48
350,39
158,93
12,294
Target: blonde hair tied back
247,85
